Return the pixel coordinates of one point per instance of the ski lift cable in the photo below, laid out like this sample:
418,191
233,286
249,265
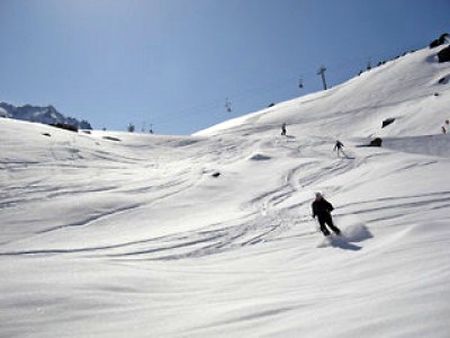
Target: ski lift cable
273,85
345,66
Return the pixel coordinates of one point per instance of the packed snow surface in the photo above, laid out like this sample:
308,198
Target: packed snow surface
113,234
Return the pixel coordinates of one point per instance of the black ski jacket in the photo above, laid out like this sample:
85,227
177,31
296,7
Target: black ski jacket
338,145
321,208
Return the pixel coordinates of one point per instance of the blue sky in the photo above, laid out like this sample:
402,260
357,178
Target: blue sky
174,62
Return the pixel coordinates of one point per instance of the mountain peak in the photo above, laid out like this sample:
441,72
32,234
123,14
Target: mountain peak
42,114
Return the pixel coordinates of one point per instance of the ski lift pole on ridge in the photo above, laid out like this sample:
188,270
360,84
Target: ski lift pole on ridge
228,105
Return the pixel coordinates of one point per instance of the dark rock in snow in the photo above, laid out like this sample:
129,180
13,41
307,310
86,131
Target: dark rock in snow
444,80
434,43
46,134
259,157
111,138
387,122
65,126
444,55
215,174
376,142
439,41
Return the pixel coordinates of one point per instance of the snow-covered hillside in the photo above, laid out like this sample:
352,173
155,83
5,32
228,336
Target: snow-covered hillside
114,234
404,89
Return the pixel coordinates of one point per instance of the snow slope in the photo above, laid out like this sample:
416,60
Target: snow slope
132,235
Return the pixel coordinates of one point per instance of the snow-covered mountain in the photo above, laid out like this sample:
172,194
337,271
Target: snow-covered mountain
407,89
114,234
46,115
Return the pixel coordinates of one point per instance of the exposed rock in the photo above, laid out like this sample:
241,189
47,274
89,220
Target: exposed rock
259,157
444,55
440,41
111,138
376,142
444,80
387,122
65,126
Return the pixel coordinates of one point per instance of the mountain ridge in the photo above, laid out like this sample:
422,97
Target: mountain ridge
42,114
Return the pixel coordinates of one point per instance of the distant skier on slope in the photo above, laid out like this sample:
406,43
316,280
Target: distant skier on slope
322,209
283,129
445,127
338,148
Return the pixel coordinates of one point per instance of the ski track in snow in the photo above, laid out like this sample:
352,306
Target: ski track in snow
103,238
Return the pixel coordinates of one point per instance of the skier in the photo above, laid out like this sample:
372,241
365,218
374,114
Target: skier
322,209
283,129
338,147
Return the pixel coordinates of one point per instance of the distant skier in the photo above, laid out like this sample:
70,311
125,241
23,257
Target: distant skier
283,129
338,148
322,209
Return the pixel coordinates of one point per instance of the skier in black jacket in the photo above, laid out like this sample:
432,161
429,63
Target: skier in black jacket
338,148
322,209
283,129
